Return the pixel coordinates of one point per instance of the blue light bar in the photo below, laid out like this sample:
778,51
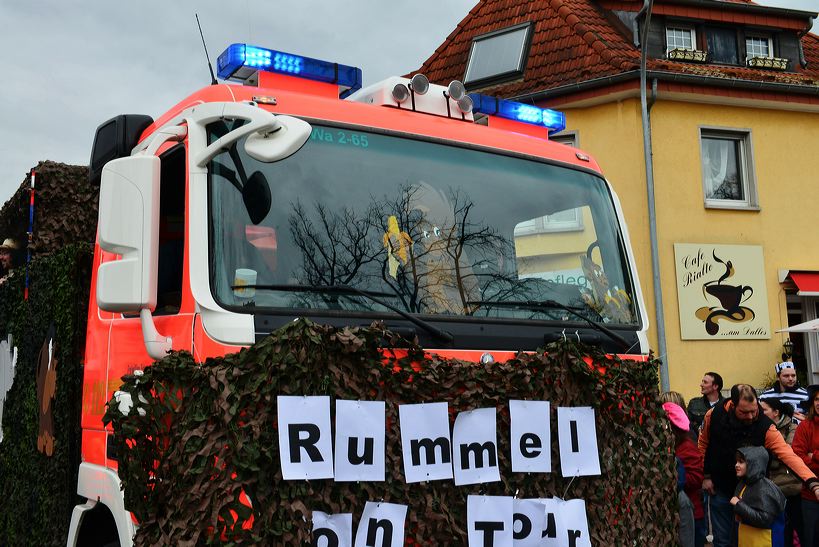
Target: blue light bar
555,121
240,61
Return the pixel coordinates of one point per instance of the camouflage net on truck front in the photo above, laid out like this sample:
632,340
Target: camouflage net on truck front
199,435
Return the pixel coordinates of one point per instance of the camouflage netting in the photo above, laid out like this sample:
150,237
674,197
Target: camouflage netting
65,208
39,490
201,434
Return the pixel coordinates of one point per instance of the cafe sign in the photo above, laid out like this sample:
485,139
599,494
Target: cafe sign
721,292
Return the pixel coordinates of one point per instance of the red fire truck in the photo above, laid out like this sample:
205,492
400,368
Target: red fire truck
449,216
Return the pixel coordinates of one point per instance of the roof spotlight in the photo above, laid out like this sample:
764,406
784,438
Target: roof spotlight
400,93
456,90
465,104
419,84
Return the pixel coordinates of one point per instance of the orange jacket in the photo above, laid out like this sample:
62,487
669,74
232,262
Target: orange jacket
774,442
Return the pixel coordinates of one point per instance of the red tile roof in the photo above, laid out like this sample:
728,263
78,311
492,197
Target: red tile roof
578,40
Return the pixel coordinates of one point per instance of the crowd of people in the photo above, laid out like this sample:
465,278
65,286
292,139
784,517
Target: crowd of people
747,464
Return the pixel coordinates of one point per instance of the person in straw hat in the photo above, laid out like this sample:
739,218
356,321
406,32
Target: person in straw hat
8,256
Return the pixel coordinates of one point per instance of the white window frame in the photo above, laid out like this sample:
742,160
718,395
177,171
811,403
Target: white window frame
547,225
685,28
810,311
745,167
767,38
571,138
521,65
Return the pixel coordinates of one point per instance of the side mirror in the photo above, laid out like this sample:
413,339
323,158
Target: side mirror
288,137
129,226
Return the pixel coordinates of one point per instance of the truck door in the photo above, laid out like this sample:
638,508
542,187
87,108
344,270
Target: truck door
174,311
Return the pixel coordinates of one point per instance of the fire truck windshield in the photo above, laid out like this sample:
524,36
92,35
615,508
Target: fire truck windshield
436,230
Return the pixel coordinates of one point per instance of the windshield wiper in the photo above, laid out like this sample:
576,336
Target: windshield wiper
552,304
371,295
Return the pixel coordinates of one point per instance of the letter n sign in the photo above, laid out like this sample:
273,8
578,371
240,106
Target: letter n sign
305,445
381,525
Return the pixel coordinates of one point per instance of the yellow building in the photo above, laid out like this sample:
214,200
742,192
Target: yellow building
732,103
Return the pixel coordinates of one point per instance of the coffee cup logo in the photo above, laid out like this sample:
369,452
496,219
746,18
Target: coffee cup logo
730,298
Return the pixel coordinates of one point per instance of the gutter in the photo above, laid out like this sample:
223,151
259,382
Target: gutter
748,8
645,115
664,76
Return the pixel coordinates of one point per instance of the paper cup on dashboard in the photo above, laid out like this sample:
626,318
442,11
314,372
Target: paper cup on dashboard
243,282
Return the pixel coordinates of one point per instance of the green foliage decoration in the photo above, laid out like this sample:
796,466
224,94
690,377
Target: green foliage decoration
39,492
201,435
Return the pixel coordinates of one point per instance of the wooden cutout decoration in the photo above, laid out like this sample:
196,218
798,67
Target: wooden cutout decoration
46,389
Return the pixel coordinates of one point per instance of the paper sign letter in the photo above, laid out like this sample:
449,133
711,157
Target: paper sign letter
332,530
425,442
530,434
476,447
360,440
381,525
305,447
529,522
578,442
489,521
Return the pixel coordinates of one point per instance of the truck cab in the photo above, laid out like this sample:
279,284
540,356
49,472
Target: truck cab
449,216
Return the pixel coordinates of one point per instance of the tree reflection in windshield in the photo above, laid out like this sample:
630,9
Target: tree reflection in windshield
423,246
433,229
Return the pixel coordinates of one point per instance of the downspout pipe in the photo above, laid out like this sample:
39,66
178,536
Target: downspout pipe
803,62
659,320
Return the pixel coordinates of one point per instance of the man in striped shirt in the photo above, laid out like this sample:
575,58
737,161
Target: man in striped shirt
787,389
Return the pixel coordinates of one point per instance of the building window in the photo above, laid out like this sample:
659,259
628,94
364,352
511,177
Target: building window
680,38
758,46
569,220
565,137
727,168
722,45
498,55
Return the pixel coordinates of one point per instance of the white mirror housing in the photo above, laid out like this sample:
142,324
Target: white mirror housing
129,226
282,143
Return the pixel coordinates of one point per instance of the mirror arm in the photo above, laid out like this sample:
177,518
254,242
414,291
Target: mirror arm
263,122
173,133
157,345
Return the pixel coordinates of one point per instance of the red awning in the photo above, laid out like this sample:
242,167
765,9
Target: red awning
807,283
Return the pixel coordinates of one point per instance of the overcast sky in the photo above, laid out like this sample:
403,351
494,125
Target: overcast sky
69,65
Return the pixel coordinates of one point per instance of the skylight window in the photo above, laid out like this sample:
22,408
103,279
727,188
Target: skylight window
498,55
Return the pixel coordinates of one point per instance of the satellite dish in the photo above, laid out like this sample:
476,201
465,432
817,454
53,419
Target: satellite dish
400,93
456,90
419,84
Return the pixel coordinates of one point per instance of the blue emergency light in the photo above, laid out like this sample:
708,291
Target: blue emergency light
555,121
240,61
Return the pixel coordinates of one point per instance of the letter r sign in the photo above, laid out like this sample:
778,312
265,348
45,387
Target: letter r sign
305,446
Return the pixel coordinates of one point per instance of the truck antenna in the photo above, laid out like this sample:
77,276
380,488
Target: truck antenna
210,66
